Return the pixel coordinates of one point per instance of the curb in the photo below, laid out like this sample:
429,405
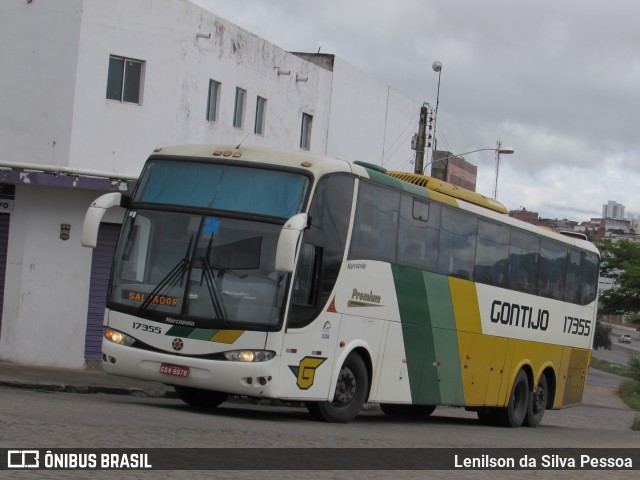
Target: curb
53,387
155,393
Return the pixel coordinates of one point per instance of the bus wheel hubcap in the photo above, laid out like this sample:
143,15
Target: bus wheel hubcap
346,386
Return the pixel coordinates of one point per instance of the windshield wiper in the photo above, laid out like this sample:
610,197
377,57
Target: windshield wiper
214,292
176,273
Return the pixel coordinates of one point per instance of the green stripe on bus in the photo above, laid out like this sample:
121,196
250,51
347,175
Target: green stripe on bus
177,331
445,335
194,333
430,337
203,333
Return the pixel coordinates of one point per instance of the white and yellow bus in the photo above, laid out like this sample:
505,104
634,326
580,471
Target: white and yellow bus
261,273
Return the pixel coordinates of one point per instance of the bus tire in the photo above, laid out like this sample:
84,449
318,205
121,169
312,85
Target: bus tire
351,391
537,403
197,397
516,410
416,411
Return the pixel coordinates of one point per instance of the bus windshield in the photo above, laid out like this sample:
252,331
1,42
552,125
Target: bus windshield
225,187
211,264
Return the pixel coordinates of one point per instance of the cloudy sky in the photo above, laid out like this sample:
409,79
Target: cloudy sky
559,81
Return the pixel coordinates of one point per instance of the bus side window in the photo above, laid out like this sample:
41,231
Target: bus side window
523,261
457,243
492,254
322,249
305,284
553,256
590,273
574,274
376,224
418,233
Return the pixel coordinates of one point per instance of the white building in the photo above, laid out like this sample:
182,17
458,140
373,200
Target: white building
613,210
90,87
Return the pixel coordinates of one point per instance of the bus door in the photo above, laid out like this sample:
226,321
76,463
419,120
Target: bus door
312,323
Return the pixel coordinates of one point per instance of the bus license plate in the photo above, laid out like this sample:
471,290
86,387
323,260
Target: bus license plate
174,370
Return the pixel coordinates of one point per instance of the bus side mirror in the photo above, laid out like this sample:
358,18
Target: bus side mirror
288,242
94,215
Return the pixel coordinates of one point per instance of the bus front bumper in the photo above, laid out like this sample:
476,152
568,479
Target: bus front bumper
253,379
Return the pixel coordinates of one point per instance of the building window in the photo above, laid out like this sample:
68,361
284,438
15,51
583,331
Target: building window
305,134
124,80
238,112
213,101
261,109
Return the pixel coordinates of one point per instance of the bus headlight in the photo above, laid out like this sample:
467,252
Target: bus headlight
118,337
249,355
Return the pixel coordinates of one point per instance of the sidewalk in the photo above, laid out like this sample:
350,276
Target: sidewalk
14,375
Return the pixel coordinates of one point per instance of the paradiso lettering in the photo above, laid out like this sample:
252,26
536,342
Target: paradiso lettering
519,315
156,299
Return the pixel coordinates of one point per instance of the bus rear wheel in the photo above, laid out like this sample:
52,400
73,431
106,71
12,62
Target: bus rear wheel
537,403
197,397
516,410
416,411
351,391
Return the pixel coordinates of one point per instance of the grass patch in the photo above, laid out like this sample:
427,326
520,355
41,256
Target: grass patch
607,366
630,392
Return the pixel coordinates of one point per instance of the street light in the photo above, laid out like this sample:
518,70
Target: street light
437,67
499,151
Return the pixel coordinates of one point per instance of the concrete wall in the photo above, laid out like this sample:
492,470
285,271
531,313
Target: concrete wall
39,53
47,278
109,135
369,120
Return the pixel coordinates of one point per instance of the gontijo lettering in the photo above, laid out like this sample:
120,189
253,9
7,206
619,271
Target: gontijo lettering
519,315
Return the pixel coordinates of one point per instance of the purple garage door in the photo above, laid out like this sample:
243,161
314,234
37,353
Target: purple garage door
4,241
100,271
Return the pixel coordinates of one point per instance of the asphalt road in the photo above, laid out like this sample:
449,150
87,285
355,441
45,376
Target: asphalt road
32,419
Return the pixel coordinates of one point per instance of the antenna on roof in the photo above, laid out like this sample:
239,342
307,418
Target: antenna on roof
238,146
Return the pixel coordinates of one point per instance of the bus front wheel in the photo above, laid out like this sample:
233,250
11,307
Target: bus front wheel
197,397
516,410
351,391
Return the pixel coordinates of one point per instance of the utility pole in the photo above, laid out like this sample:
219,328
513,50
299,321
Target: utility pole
495,181
421,140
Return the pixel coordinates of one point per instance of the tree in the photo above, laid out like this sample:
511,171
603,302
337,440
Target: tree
634,365
602,337
620,261
634,318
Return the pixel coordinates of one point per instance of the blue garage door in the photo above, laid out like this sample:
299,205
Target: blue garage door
4,241
100,270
